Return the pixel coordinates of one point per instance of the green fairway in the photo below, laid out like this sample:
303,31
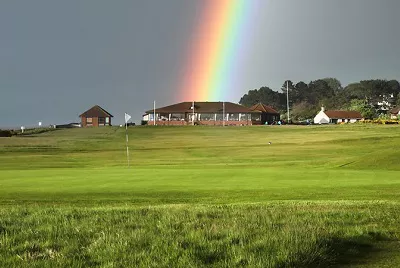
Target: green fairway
268,196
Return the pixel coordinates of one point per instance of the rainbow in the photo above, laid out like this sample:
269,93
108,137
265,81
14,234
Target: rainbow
216,47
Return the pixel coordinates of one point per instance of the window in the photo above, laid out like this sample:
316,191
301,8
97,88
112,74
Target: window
177,117
256,117
164,117
233,117
207,117
220,118
107,120
243,117
102,121
89,120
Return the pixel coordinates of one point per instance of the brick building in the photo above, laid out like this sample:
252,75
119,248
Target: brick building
206,113
96,117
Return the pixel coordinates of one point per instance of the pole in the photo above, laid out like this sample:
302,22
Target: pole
127,148
193,113
154,113
287,100
223,113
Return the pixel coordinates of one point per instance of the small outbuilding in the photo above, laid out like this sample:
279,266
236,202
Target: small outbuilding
95,117
268,114
335,117
395,113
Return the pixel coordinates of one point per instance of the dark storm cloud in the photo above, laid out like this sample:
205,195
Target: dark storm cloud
58,58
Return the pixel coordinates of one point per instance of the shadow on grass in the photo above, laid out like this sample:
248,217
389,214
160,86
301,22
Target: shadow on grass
343,252
352,251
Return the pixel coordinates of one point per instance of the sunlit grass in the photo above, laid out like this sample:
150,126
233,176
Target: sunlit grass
200,196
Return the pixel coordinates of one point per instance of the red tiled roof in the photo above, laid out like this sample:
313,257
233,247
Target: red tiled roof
261,107
202,107
96,111
343,114
395,110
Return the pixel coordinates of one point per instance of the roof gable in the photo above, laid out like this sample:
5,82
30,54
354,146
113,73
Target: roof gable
261,107
96,111
343,114
395,110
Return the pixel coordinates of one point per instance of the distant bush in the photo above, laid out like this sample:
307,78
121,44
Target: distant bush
34,131
381,121
6,133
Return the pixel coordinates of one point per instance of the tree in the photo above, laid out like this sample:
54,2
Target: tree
395,88
319,90
303,111
362,106
287,84
369,97
300,92
334,84
264,95
356,91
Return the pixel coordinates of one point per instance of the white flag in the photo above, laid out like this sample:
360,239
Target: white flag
127,117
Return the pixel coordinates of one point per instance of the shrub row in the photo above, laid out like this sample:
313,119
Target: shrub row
381,121
7,133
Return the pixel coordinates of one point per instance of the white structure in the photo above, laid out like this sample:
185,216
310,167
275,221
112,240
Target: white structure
146,117
321,117
386,102
334,117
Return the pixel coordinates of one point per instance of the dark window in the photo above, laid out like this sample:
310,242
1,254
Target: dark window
102,121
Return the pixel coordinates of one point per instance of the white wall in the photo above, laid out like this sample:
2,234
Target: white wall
347,120
321,118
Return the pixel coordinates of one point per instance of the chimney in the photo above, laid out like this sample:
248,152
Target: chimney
322,109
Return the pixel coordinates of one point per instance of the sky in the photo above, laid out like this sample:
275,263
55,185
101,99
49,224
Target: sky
59,58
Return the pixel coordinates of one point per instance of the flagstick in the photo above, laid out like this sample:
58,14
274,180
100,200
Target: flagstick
287,101
223,114
127,117
154,113
127,148
193,113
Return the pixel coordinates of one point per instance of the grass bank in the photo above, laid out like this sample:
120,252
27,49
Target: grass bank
201,196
